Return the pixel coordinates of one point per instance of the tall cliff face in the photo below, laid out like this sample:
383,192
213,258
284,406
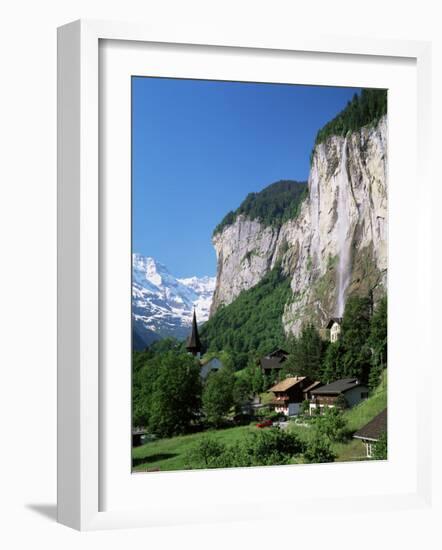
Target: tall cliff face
336,245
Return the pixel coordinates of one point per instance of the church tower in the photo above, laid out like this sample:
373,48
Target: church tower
193,344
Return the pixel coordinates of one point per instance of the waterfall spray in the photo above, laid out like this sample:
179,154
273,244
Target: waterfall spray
344,241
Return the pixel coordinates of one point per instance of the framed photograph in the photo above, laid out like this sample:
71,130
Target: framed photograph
232,273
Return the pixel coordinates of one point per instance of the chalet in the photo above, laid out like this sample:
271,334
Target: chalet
212,365
334,326
351,389
289,394
371,432
273,362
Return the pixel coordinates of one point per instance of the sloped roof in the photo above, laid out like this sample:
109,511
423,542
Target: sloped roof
287,383
337,387
334,320
193,341
373,429
312,386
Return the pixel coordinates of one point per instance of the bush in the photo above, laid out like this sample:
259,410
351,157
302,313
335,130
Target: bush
318,451
265,448
206,453
380,450
332,425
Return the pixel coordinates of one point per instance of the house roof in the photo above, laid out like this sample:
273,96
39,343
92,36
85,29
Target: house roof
272,362
312,386
374,429
337,387
334,320
278,353
287,383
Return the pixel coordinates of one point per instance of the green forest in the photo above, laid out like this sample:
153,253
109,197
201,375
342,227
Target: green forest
274,205
251,324
366,108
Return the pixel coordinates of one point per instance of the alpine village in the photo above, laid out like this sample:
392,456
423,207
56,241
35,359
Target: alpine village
289,366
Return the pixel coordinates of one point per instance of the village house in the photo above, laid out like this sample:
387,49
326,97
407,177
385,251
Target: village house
289,394
371,432
349,389
212,365
272,364
334,326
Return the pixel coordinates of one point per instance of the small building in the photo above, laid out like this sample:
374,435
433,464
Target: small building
289,394
371,432
307,392
273,362
334,326
193,343
350,389
212,365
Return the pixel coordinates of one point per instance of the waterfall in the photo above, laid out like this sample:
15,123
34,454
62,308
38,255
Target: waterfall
344,241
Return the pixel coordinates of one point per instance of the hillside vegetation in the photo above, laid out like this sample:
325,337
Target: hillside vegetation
363,109
253,322
274,205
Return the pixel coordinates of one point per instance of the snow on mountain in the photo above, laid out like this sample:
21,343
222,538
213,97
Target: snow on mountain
162,305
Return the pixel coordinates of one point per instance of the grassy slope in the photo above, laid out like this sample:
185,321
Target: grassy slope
170,454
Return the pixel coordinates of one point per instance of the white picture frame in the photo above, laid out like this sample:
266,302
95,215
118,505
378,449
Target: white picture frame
81,395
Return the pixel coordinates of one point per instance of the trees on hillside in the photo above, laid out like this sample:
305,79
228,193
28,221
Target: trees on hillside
166,392
218,396
306,354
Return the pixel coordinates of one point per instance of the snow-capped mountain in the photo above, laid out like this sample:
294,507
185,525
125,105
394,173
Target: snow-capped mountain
162,305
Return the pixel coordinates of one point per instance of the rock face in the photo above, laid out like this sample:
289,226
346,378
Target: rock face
337,245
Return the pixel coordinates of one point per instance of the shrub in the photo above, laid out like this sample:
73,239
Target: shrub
380,450
205,453
332,425
319,450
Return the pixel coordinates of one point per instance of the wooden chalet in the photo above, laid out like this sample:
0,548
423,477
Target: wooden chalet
351,389
289,394
273,362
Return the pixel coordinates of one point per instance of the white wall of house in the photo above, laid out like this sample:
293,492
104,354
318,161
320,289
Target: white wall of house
212,365
294,409
356,395
334,332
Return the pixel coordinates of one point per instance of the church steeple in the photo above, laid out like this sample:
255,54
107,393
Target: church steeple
193,344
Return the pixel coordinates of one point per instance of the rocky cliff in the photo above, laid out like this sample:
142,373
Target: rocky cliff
336,245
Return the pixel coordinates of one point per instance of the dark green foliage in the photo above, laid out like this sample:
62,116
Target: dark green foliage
318,451
206,453
274,205
305,407
378,342
242,390
363,109
264,448
333,364
361,351
354,337
306,354
167,395
380,450
331,425
218,396
252,323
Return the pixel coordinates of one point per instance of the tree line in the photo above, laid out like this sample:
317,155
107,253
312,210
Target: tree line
365,108
274,205
360,352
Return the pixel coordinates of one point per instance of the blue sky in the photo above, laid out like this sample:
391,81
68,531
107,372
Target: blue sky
199,147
